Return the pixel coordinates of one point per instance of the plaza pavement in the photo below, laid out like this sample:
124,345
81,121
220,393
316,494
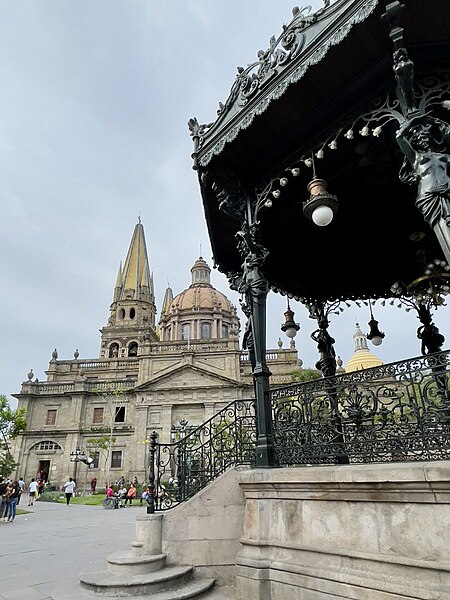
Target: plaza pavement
54,542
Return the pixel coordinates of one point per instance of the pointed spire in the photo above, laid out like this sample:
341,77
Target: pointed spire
136,272
167,302
118,286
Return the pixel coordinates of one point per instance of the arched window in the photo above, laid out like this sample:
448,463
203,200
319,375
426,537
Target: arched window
46,445
186,331
225,331
114,350
205,331
122,313
132,313
133,349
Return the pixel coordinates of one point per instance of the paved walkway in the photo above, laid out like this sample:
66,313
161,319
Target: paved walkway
54,542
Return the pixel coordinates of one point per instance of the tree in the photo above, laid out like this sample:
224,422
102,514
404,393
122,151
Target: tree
302,375
104,444
12,422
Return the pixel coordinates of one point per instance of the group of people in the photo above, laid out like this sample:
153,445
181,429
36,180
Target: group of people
123,495
10,494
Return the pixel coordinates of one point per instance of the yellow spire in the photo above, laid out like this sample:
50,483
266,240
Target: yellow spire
135,280
167,302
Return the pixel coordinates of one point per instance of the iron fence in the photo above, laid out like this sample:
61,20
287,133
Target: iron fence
395,412
184,467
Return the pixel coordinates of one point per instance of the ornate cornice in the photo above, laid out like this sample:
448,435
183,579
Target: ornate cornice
302,44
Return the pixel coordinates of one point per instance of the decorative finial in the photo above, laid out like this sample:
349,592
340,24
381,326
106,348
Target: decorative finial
139,217
280,343
201,250
76,354
55,354
30,375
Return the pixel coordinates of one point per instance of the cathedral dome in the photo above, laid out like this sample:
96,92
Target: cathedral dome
200,294
362,358
199,297
198,312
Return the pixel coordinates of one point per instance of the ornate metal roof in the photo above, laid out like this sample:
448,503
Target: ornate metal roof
301,44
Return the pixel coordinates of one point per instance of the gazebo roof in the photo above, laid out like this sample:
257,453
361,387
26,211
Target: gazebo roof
325,79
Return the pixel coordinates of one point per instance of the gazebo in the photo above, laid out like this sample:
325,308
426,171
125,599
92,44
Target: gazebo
340,125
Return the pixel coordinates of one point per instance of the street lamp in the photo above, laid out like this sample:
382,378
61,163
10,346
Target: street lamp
321,206
79,455
375,335
290,327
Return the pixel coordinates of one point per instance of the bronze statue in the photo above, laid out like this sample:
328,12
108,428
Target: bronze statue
325,346
425,141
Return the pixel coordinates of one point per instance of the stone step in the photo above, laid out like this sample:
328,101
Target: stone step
192,589
122,563
103,582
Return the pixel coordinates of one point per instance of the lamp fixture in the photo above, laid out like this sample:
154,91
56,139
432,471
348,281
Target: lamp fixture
375,335
289,327
321,206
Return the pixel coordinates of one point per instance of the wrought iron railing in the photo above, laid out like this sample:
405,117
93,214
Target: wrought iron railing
394,412
184,467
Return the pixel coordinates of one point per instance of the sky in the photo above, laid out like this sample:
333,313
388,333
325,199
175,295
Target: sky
96,95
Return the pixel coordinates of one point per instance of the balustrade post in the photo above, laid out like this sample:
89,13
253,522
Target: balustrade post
151,475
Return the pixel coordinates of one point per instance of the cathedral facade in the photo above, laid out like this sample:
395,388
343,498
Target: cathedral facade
149,377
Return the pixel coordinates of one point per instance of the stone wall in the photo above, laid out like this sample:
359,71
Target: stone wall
205,530
359,532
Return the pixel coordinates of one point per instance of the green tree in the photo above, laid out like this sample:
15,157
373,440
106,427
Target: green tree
104,445
113,398
302,375
12,422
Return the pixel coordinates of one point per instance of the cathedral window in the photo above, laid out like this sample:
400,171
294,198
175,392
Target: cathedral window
98,415
116,459
132,313
186,331
205,331
225,331
133,349
122,313
119,416
51,417
46,445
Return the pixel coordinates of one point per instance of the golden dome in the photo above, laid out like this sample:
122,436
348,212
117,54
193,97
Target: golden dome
362,358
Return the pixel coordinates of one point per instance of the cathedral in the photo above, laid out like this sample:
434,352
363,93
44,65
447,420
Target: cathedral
162,376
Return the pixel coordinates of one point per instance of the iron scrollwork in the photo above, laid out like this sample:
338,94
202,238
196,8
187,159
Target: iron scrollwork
394,412
184,467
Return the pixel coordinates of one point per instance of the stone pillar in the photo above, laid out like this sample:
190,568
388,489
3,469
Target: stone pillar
148,536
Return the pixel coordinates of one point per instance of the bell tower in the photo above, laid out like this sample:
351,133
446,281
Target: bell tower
133,310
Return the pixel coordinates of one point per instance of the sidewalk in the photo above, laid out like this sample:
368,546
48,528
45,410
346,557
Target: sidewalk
55,542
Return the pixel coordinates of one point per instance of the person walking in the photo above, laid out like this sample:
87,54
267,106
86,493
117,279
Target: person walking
3,486
69,489
93,484
22,488
32,489
10,513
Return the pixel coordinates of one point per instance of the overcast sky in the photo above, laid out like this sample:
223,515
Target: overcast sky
95,99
